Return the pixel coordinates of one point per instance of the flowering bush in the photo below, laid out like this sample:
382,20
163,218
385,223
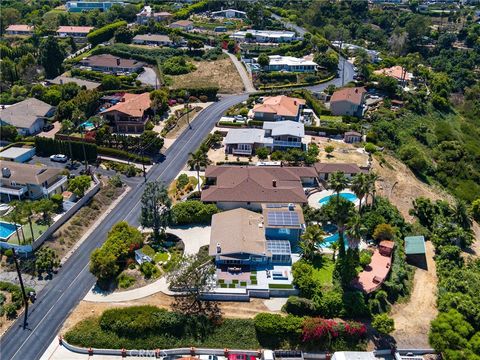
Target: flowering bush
318,329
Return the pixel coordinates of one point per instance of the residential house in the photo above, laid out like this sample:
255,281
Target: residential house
264,36
184,25
241,239
147,14
415,251
231,187
324,170
279,108
152,39
348,101
230,14
285,134
397,72
61,79
82,5
130,114
19,29
374,55
352,137
111,64
28,116
291,64
28,181
17,154
74,31
274,136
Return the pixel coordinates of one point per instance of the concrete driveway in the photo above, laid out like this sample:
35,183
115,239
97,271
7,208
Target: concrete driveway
148,77
193,237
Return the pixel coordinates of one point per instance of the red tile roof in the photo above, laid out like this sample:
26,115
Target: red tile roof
395,71
353,95
132,104
281,105
19,27
257,184
74,29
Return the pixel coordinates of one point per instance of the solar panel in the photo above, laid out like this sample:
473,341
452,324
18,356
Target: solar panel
279,247
283,218
276,206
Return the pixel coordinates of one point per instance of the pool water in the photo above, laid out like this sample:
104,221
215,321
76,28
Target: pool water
6,230
346,195
87,124
332,237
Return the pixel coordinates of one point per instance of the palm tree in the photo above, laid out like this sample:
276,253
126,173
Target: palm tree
197,160
370,186
312,238
355,231
338,182
359,187
67,128
28,210
334,247
15,216
461,215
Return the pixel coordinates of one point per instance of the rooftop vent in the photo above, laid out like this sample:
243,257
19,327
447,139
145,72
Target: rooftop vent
274,183
6,173
291,207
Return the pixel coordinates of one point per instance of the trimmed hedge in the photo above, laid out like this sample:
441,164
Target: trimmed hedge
193,212
124,155
239,163
47,147
230,123
105,33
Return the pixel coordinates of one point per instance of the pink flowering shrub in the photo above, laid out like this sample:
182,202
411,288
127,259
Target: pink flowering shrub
319,330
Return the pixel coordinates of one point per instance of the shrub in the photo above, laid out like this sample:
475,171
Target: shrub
177,65
148,270
324,330
383,324
299,306
10,311
2,299
182,181
105,33
330,304
193,212
384,232
57,200
125,281
365,258
262,153
148,250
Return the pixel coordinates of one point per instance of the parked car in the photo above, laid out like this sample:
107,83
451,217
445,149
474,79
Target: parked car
48,127
241,357
59,158
208,357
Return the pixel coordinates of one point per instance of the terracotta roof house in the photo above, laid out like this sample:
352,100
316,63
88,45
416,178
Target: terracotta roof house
27,181
352,137
147,14
245,238
74,31
279,108
348,101
373,276
19,29
325,169
232,187
130,114
111,64
185,25
397,72
28,116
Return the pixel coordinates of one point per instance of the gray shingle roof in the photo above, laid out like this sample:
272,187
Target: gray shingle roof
287,127
25,113
244,136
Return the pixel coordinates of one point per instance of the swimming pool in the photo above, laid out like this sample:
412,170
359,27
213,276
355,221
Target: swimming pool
332,237
87,124
346,195
6,230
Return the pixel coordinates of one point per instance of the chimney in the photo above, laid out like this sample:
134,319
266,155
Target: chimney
274,183
295,102
118,61
291,207
356,91
6,172
219,248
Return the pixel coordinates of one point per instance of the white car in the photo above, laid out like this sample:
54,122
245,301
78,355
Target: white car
59,158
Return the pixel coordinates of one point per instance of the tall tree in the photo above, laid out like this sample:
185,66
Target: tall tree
359,187
51,57
156,208
461,215
192,276
312,238
355,231
15,215
371,186
28,210
197,160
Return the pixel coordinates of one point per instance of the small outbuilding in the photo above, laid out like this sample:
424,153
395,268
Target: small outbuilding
141,258
415,251
17,154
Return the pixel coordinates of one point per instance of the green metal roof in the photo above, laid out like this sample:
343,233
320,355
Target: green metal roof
415,245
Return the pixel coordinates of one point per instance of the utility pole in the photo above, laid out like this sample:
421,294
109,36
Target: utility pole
143,166
343,62
25,298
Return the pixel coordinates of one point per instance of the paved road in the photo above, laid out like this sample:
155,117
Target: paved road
247,81
73,281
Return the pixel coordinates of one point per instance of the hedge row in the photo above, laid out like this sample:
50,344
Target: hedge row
239,163
327,130
124,155
105,33
193,212
230,123
74,149
209,91
300,85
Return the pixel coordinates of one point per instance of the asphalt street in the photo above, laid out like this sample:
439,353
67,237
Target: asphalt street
73,281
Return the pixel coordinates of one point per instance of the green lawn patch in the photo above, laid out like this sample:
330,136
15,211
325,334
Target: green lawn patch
232,286
161,257
330,118
223,286
253,277
323,269
38,229
254,282
243,283
235,281
221,281
148,250
280,286
254,272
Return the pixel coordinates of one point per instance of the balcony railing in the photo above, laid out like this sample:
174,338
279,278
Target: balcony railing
59,182
284,143
242,151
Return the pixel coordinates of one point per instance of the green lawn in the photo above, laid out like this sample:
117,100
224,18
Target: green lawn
280,286
324,266
160,257
330,118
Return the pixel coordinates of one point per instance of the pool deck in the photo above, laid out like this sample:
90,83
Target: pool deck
314,199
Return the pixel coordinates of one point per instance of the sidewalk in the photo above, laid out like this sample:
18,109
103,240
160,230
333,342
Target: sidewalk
247,82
